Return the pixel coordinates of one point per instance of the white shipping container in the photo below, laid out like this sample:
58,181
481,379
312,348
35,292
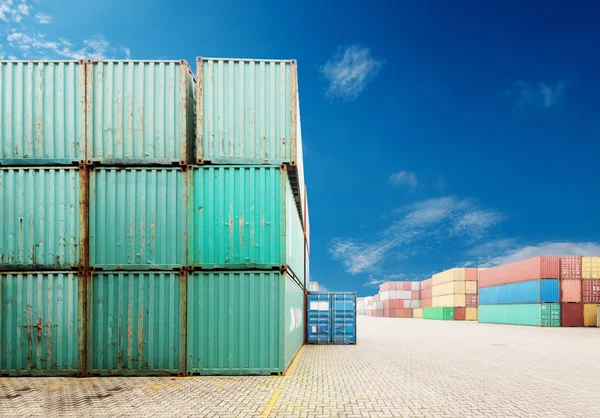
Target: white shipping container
395,294
416,285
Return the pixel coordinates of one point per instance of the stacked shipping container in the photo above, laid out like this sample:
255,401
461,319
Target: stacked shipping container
590,286
455,288
110,205
399,299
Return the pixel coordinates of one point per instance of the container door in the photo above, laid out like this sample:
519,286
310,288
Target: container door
319,321
343,318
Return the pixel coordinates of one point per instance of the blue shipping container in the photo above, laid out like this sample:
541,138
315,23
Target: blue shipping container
532,291
331,318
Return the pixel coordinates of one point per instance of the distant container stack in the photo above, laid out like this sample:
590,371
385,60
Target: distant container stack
456,289
522,293
399,299
590,284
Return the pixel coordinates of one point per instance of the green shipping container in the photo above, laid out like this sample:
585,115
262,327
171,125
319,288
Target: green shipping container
39,323
138,218
39,218
535,314
136,323
245,217
42,112
446,314
243,322
139,111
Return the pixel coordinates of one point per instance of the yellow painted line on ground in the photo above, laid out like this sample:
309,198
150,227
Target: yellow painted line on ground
290,370
266,413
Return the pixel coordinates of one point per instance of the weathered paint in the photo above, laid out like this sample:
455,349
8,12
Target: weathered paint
42,111
138,218
39,218
139,112
39,323
135,323
534,314
242,322
245,217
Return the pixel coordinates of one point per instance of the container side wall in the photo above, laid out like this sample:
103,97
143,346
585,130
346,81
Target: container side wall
590,291
533,291
570,290
294,235
135,323
590,267
235,322
39,218
590,314
38,323
138,218
139,111
42,110
521,314
294,320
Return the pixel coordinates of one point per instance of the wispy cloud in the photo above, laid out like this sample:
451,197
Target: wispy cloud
9,11
447,216
43,18
404,178
545,248
537,96
349,72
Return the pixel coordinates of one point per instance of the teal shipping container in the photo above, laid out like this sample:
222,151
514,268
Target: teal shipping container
534,314
39,323
42,112
140,112
39,218
138,218
136,323
245,217
243,322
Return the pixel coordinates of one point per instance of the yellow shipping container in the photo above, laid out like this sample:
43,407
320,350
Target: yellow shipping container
590,267
451,301
450,288
471,314
418,313
452,275
471,288
590,314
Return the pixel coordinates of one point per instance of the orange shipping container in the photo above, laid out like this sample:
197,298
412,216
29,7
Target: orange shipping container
426,293
471,274
415,295
426,284
459,314
544,267
570,267
570,290
426,303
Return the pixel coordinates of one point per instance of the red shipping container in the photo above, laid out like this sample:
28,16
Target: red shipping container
544,267
570,267
591,290
426,284
471,274
472,301
460,314
571,315
401,313
376,298
415,295
570,290
426,294
426,303
393,303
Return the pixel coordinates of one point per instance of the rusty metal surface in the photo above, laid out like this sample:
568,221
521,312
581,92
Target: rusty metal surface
39,218
138,218
39,323
139,112
42,111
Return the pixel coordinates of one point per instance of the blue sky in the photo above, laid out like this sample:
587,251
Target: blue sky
437,134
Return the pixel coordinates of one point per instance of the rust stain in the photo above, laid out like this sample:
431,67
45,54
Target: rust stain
140,355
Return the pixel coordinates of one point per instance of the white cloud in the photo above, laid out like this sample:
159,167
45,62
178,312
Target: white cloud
37,46
349,72
127,53
43,18
538,96
545,248
404,178
23,9
446,216
9,11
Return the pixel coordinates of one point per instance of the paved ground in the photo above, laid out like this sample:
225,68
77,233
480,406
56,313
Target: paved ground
400,368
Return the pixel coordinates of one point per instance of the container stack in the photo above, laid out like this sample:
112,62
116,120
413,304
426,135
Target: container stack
360,306
454,295
426,293
523,293
118,214
571,309
590,283
399,299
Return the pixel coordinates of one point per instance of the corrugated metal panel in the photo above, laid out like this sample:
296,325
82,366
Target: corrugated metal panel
533,291
418,313
571,315
459,314
471,314
246,111
449,288
42,110
343,318
544,267
236,323
570,290
455,274
449,301
138,218
438,313
590,291
590,267
39,218
319,318
590,314
294,321
39,323
244,217
140,111
471,288
536,314
570,267
395,294
135,323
